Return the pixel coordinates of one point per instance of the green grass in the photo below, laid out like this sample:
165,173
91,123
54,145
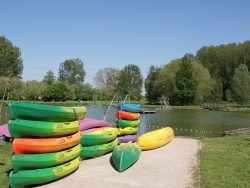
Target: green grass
5,164
225,162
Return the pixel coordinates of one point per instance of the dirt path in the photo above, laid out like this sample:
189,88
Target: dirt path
170,166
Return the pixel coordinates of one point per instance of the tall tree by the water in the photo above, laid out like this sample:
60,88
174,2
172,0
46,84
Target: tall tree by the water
11,62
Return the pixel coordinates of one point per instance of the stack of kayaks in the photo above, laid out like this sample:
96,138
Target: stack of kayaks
128,120
97,142
46,142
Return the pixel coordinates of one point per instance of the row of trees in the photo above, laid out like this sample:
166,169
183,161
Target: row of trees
215,73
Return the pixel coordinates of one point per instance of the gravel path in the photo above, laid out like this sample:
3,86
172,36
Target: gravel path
171,166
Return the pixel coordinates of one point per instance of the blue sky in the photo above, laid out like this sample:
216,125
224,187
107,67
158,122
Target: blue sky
115,33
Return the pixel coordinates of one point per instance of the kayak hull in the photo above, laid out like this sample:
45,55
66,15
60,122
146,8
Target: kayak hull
20,128
155,139
44,145
125,155
98,150
122,123
97,137
120,114
130,107
24,178
46,160
42,112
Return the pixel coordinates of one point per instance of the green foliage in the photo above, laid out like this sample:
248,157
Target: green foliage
59,91
33,90
72,71
152,90
14,90
205,84
186,85
222,60
10,59
241,84
49,78
130,82
83,92
165,82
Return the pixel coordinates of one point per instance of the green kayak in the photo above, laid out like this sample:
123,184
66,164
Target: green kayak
127,130
100,136
24,178
122,123
125,155
20,128
45,160
98,150
42,112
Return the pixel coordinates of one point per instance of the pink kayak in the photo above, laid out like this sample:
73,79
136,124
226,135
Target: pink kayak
89,123
4,130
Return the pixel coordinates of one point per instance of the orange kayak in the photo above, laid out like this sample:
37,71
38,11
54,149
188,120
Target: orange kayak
120,114
45,145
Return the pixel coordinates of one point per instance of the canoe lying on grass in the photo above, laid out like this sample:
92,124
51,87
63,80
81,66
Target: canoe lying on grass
45,160
100,136
20,128
45,145
125,155
130,107
42,112
155,139
98,150
24,178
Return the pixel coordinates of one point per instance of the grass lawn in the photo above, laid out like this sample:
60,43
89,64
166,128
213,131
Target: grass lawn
5,164
224,162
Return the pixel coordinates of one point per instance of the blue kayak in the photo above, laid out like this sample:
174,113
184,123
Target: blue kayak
130,107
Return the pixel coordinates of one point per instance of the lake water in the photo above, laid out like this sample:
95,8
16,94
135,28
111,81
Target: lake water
194,123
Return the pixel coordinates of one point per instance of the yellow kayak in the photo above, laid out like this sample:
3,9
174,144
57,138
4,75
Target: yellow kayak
155,139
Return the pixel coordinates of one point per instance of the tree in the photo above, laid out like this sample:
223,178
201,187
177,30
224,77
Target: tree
72,71
222,60
10,59
49,78
130,82
13,87
152,90
106,81
33,90
186,85
241,84
205,84
59,91
83,92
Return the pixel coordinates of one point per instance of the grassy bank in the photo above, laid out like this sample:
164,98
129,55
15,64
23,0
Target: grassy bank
5,164
224,162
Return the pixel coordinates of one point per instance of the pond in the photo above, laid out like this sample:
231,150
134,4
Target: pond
194,123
